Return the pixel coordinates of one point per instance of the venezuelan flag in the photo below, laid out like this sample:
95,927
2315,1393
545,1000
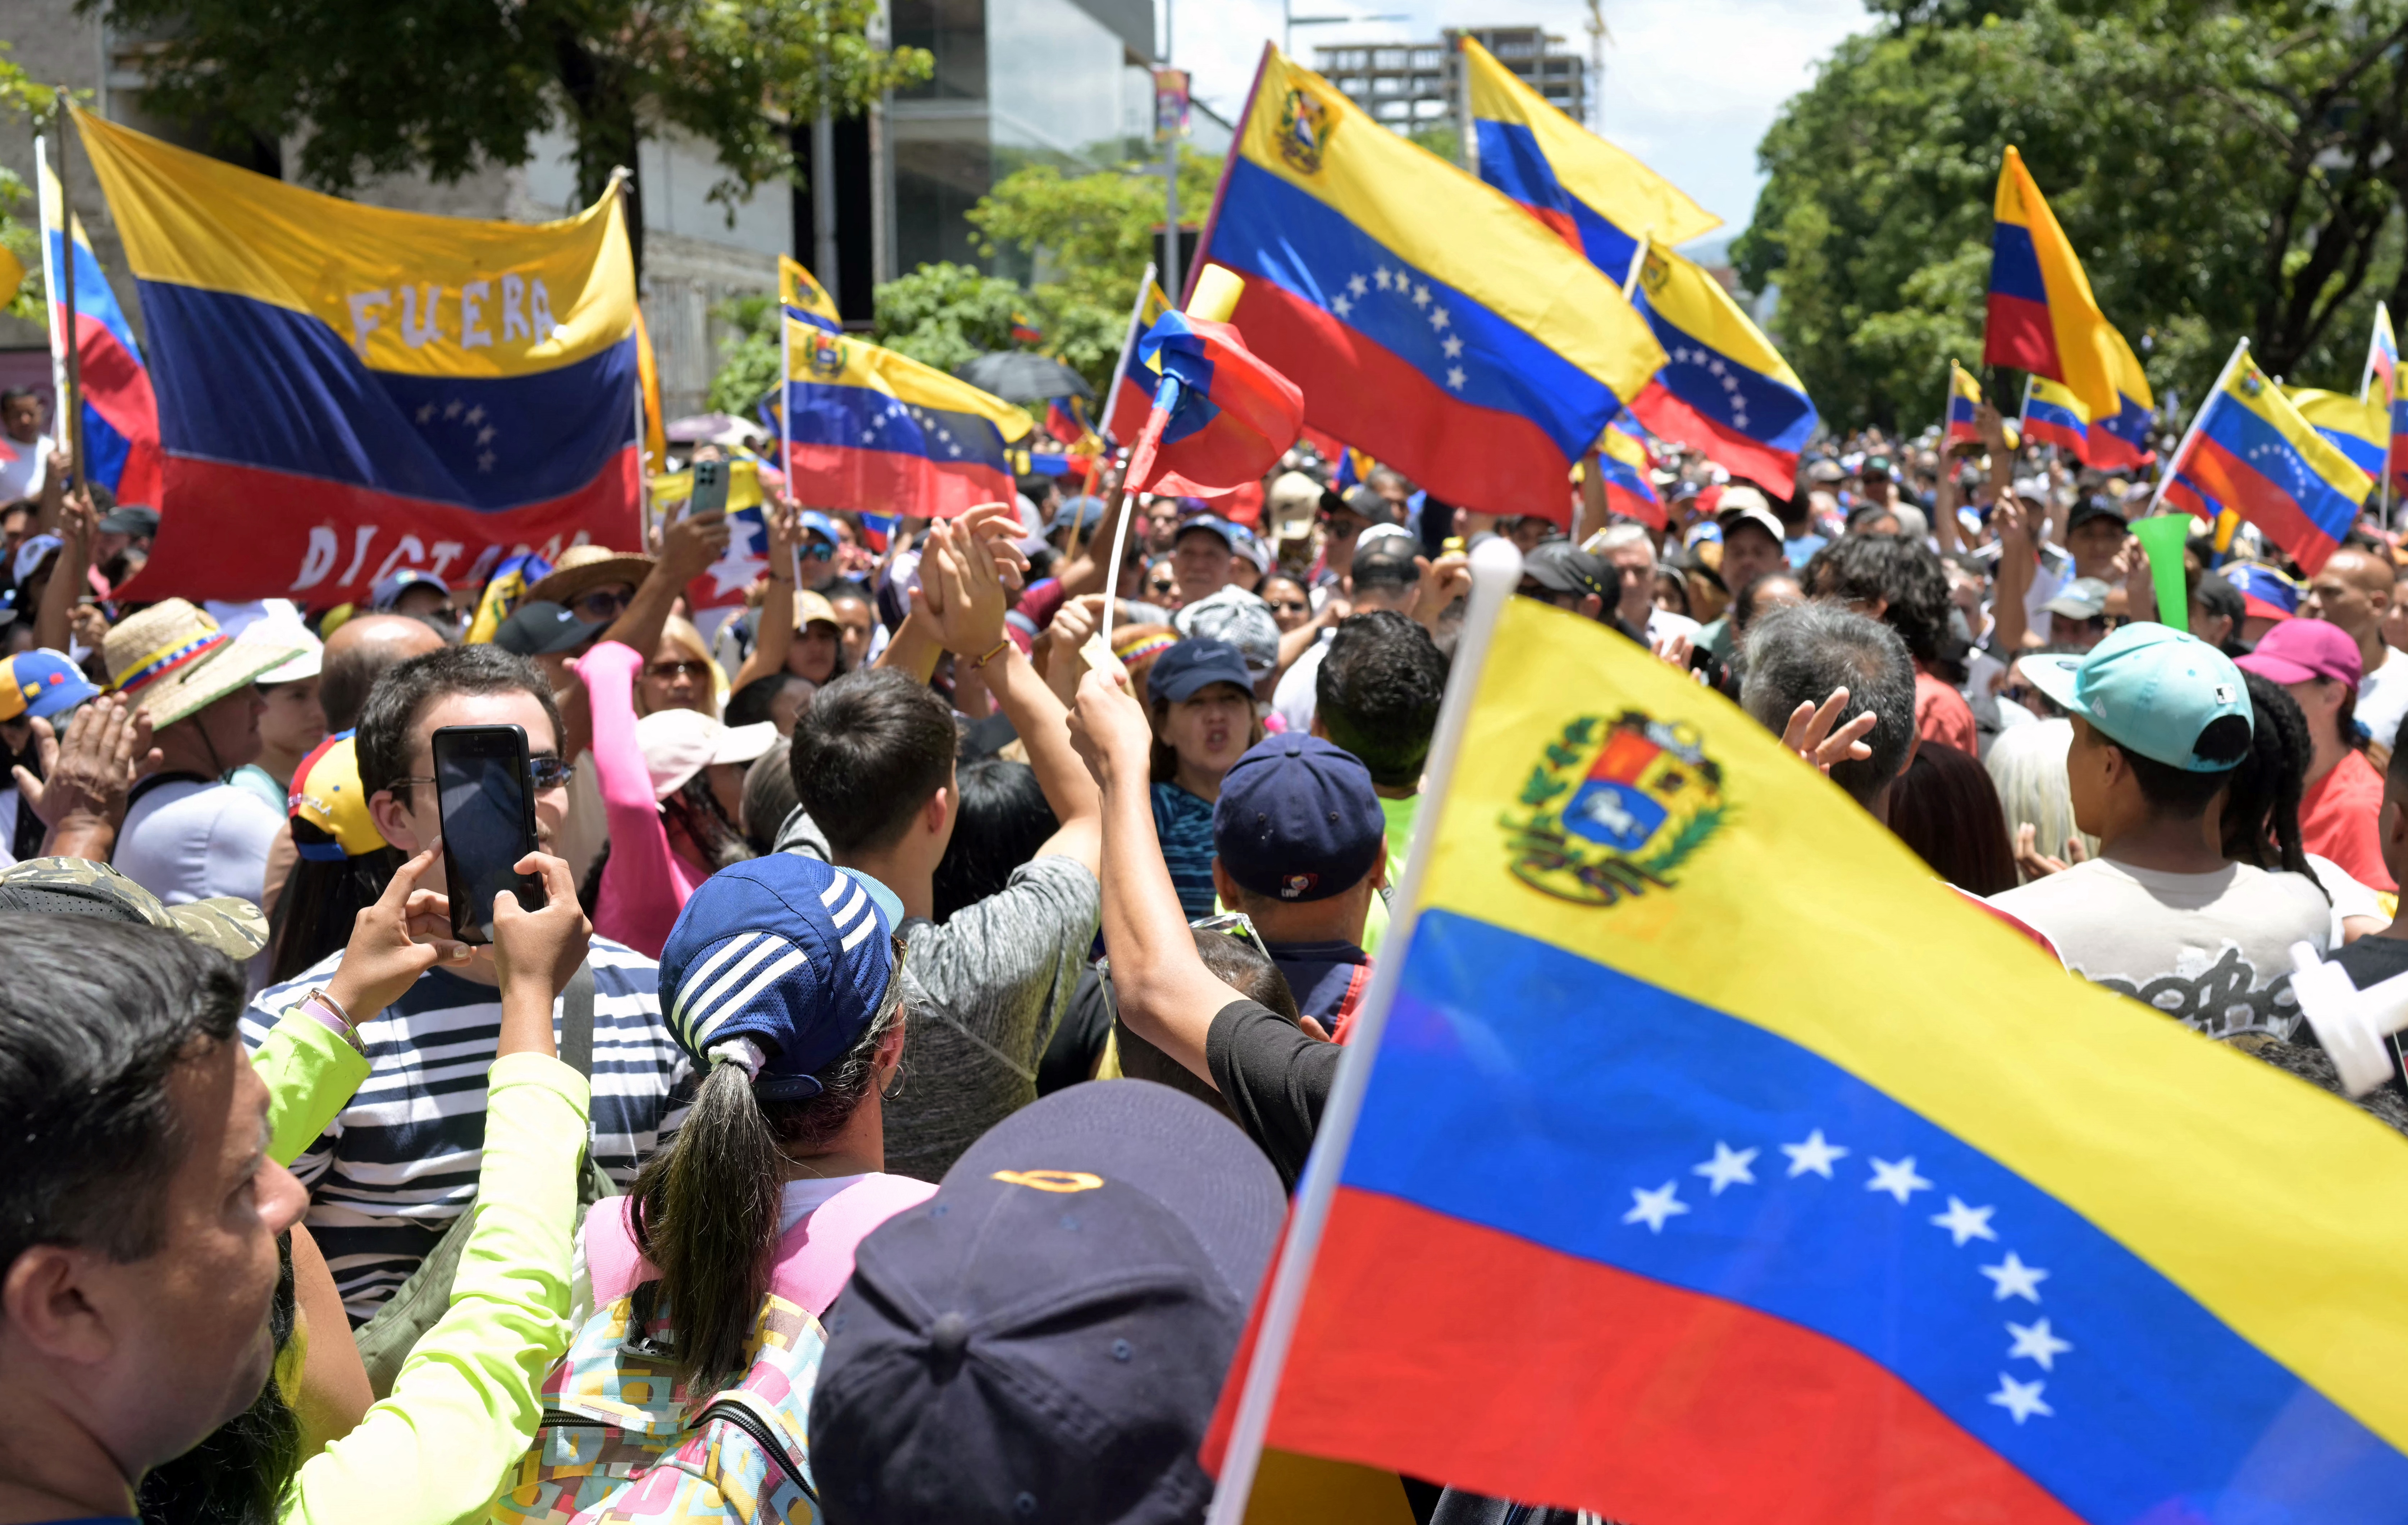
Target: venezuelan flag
2054,416
1964,398
869,429
1221,417
1622,466
803,297
1427,317
1596,197
121,417
1764,1238
2265,593
877,530
1724,390
1132,396
2359,431
503,590
648,391
2122,441
1355,468
2042,318
2252,452
346,391
2382,384
1067,420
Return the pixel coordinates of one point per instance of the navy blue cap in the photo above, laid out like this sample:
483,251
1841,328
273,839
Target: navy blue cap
1216,525
784,950
1298,820
1178,674
1046,1336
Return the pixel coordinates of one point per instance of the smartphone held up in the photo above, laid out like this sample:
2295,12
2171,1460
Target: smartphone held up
486,795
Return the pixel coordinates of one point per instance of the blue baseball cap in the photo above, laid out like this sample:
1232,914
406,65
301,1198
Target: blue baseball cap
1298,820
1088,511
818,524
1228,533
388,590
1046,1337
1179,674
2153,689
40,683
784,950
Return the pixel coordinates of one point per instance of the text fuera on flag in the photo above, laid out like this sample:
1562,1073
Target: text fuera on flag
1428,319
1887,1218
346,392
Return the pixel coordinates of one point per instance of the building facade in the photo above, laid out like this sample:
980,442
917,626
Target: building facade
1416,84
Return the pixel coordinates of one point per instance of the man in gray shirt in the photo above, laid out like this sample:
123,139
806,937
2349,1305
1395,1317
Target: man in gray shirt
873,766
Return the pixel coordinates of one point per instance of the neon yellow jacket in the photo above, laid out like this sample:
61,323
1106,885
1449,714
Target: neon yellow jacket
465,1406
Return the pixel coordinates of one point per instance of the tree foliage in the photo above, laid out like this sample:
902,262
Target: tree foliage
448,86
20,97
2221,166
750,360
945,314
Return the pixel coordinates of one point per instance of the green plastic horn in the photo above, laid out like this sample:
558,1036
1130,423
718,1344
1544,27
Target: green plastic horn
2163,536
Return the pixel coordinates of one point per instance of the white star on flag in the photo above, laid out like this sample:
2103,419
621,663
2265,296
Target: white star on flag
485,435
1728,1167
475,415
2021,1398
2014,1279
1964,1223
737,565
1455,377
1438,317
451,409
1714,367
1897,1178
1653,1207
426,413
1381,275
1343,306
1738,420
1356,284
485,462
2034,1342
1421,296
1815,1155
1451,345
868,433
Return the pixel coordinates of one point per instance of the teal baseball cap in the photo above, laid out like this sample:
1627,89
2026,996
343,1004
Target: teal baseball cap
2152,690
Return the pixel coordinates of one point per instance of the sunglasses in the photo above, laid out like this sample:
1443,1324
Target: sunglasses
819,550
1160,585
1291,606
1341,529
1236,924
602,603
670,672
546,770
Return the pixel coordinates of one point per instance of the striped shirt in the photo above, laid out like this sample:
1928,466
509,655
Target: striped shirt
1182,823
400,1161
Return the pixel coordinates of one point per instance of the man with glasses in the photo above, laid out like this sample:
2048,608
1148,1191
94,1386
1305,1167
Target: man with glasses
399,1162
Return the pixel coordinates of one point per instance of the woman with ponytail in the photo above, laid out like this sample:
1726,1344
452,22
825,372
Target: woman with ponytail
782,979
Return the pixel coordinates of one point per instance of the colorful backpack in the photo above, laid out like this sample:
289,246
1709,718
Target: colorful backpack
622,1443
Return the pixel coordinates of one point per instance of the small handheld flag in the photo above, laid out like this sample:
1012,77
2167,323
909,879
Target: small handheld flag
1964,400
1131,397
801,294
2249,449
2382,385
2054,416
1725,390
1221,417
121,417
2042,318
1622,466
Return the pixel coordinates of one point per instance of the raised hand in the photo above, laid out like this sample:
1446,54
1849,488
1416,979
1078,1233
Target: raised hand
546,945
1809,733
690,545
2037,864
1109,729
107,748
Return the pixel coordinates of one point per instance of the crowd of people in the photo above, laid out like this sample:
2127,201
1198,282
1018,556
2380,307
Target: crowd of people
944,959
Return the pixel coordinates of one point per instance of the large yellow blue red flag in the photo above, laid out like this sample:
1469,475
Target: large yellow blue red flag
2042,318
1791,1237
346,392
1598,198
2251,451
867,428
119,412
802,295
1428,319
1724,390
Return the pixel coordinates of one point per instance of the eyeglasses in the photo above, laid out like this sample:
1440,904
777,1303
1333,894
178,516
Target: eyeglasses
1291,606
1160,585
819,550
602,603
670,672
1345,529
545,771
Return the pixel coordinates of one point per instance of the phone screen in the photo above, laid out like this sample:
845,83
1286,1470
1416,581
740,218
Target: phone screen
709,488
481,780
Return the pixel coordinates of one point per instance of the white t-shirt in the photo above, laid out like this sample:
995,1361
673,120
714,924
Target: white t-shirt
1296,699
2211,950
1662,625
23,476
2383,697
186,840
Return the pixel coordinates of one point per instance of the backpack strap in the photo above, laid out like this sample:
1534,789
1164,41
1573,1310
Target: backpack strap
576,1021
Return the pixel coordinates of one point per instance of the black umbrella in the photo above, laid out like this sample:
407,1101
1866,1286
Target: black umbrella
1019,376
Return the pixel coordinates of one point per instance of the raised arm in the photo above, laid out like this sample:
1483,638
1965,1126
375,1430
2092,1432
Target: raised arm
777,633
53,622
687,546
639,899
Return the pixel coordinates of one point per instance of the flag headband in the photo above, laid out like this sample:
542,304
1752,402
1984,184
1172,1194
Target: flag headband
168,658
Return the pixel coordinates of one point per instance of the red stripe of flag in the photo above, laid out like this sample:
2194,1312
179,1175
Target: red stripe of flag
2019,335
1665,415
2231,481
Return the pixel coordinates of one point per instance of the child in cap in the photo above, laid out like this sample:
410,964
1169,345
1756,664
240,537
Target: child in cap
1201,695
2167,753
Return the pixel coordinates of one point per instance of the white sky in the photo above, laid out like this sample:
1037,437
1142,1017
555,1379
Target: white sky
1690,85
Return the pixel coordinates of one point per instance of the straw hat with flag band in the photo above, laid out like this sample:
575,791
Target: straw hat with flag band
173,660
583,568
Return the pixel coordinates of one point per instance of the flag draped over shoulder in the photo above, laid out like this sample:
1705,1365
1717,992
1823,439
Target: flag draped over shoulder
2042,318
1427,319
346,392
1765,1238
871,429
1597,198
2251,451
120,415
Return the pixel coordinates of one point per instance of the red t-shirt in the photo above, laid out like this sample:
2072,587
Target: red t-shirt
2337,817
1942,715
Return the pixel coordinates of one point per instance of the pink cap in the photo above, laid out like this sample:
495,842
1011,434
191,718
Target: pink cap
2297,650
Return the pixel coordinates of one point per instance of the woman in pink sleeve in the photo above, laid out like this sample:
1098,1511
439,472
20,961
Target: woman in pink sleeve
673,788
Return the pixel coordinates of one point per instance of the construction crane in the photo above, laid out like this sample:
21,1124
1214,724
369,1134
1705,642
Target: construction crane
1597,38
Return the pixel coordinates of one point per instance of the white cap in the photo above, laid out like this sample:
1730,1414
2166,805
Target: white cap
275,622
1383,531
678,744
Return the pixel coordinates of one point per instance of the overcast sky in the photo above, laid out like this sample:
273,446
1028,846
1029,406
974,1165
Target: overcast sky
1690,85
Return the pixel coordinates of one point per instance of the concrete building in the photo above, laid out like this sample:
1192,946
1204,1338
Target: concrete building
1416,84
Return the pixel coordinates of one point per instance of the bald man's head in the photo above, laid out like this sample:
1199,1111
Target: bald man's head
358,653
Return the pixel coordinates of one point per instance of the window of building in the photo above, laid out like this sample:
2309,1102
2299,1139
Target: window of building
1391,58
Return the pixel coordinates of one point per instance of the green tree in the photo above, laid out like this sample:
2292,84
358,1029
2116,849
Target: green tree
2221,166
447,86
945,314
750,359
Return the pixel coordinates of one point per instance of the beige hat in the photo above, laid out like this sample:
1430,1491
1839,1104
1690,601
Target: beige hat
810,606
1294,499
583,568
173,662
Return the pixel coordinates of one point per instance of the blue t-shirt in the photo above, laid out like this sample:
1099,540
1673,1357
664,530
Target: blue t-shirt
1183,824
1801,548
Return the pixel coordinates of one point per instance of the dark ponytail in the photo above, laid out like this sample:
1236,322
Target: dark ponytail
2261,812
707,1208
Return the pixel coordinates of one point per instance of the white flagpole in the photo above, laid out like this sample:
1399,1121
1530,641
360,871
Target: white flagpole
1638,262
2198,416
1129,348
48,213
2365,385
785,445
1496,570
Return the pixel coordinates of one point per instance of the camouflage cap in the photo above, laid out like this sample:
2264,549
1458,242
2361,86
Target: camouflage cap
79,887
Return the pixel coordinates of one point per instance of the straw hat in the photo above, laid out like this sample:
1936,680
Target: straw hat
174,662
583,568
814,608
